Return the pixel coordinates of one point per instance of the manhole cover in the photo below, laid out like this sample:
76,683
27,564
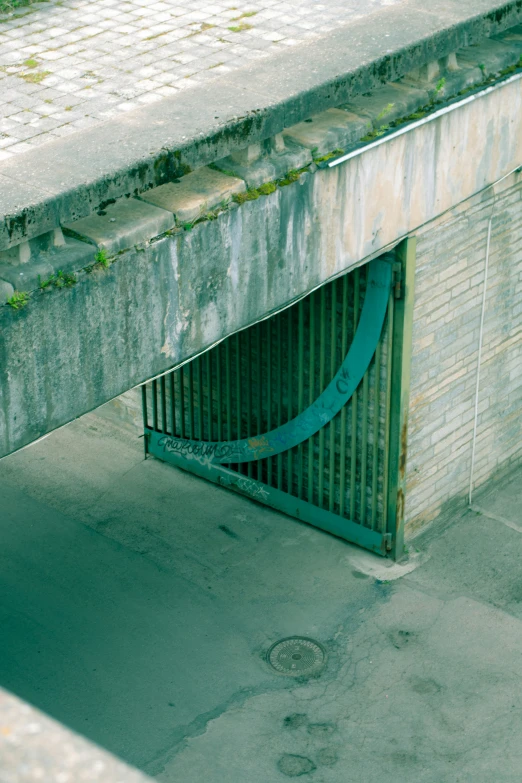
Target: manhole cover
296,656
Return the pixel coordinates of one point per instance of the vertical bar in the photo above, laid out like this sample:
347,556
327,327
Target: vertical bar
402,338
322,362
145,419
259,394
387,413
219,384
155,405
144,406
172,403
163,398
269,461
300,393
210,407
201,409
279,397
342,445
364,446
376,410
311,397
191,399
290,401
249,389
228,382
353,450
181,376
239,383
333,368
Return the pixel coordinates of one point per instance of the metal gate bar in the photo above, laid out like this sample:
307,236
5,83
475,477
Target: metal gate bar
282,371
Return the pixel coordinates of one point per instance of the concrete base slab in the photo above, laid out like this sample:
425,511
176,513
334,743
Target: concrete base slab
330,130
195,194
138,603
491,57
388,103
269,167
121,225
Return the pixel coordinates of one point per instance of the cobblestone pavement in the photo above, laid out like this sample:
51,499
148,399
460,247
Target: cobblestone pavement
70,64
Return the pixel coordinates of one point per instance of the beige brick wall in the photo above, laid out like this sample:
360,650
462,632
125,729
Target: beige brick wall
449,287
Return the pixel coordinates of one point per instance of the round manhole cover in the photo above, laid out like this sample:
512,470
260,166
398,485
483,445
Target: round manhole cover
297,656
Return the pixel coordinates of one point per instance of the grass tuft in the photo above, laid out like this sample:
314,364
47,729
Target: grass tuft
58,280
18,300
240,28
10,5
101,258
267,188
34,77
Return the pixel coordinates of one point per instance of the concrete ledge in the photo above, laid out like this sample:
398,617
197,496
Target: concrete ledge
262,167
121,225
71,350
73,177
195,194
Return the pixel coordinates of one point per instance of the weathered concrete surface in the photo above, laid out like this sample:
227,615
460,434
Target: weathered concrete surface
137,603
195,194
141,149
127,223
69,352
328,131
34,748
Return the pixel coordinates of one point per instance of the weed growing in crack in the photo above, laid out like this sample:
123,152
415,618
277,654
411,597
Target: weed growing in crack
18,300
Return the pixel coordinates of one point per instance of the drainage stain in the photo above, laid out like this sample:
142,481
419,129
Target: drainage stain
297,656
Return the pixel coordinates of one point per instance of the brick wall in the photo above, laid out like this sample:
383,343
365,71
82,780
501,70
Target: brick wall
449,287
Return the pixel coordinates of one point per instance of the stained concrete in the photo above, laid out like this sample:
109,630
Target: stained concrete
138,602
69,352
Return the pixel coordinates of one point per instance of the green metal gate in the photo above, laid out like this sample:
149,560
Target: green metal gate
303,411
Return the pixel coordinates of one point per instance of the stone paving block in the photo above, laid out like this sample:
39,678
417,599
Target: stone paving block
491,56
72,256
330,130
26,277
195,194
269,166
121,225
24,266
388,103
447,83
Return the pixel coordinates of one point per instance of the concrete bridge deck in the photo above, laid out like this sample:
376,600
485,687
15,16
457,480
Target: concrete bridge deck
66,66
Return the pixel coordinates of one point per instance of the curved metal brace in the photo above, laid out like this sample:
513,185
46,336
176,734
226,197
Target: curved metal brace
325,407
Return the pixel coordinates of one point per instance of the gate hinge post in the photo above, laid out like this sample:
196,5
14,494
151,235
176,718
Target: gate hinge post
398,290
387,539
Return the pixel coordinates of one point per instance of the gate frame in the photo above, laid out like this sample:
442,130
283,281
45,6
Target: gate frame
391,542
400,393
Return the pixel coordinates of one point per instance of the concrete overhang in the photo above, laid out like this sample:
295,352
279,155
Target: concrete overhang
70,178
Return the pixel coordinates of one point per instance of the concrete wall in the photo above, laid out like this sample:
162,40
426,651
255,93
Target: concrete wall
70,350
451,256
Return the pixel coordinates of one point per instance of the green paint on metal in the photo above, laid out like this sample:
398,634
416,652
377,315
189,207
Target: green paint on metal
325,407
281,501
331,452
